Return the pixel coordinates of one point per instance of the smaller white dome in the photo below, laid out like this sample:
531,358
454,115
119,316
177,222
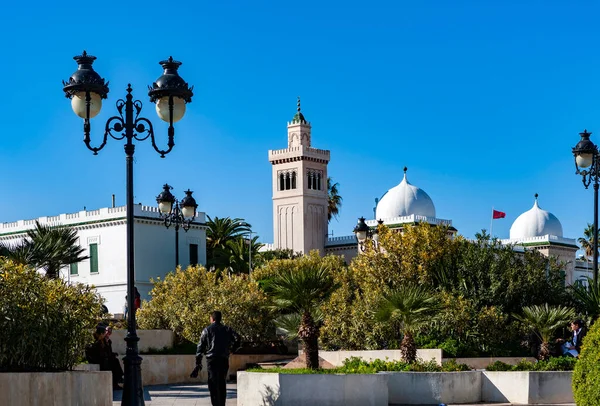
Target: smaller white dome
535,223
405,199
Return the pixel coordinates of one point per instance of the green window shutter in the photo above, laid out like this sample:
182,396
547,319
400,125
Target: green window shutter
93,258
74,269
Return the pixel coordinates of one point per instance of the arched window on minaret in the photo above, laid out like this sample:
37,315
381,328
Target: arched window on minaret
309,178
281,181
318,180
294,180
314,179
288,181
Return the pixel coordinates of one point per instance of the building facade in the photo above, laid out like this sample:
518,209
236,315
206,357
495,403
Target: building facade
102,233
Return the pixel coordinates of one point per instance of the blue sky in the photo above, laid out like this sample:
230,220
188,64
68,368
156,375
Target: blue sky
482,100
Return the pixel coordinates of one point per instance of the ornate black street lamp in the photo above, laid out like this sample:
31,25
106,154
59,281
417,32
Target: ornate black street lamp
181,214
170,92
364,232
586,156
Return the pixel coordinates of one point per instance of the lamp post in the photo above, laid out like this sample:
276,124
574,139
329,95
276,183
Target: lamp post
181,214
86,89
364,232
586,156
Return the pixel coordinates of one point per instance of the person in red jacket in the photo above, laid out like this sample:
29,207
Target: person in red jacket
137,301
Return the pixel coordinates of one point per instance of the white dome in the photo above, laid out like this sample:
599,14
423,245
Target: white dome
535,223
404,200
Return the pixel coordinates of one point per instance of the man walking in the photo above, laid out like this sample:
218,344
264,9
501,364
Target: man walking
216,341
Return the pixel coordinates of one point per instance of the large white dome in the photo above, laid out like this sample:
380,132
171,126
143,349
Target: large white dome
535,223
404,200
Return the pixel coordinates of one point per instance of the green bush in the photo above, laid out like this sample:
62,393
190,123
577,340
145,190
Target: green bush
552,364
355,365
45,323
586,376
183,301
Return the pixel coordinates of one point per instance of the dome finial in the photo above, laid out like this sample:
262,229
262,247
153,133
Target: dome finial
405,169
536,196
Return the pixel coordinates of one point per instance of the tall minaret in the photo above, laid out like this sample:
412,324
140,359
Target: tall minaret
300,190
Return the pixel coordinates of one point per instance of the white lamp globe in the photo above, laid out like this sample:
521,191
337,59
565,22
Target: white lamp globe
78,104
584,160
188,211
165,207
162,108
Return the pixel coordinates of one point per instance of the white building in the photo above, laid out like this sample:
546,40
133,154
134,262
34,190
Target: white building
300,199
102,233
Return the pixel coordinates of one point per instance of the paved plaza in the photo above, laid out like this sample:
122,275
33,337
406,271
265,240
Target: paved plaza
198,395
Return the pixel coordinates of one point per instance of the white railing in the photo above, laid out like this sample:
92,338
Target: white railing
346,239
541,238
413,218
267,247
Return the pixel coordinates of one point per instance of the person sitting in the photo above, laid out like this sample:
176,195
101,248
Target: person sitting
573,346
100,352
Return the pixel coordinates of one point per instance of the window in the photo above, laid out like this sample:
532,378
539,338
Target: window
93,258
313,178
287,180
193,254
74,269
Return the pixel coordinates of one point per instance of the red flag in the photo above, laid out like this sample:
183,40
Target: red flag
498,214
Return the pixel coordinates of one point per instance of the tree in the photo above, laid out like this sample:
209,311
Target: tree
221,233
587,297
544,320
408,307
334,199
587,241
48,248
301,291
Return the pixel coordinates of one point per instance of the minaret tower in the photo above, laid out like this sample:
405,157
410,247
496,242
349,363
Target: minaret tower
299,190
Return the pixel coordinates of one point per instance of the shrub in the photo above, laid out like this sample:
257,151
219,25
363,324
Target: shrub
45,323
552,364
586,376
183,301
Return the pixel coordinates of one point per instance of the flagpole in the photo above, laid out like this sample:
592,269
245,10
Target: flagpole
492,223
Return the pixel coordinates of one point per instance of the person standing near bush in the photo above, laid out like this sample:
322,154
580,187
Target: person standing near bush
216,341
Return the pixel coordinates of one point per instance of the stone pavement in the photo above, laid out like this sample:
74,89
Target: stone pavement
176,395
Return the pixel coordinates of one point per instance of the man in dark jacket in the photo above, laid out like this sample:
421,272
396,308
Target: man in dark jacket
573,347
216,341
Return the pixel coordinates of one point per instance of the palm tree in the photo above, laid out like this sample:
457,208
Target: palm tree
587,241
409,308
301,291
48,248
588,297
544,320
335,200
220,232
235,257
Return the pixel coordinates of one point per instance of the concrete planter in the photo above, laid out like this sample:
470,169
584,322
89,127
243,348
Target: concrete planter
69,388
527,387
410,388
271,389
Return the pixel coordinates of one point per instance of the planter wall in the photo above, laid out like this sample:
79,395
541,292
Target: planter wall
336,358
167,369
70,388
271,389
156,339
433,387
528,387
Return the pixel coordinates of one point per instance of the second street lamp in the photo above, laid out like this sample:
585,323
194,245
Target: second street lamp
86,89
586,156
364,232
180,214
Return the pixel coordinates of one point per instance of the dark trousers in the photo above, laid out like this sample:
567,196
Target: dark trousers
217,379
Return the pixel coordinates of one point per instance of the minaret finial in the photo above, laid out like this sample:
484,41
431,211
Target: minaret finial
298,104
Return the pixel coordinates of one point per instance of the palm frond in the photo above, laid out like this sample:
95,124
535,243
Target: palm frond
544,320
409,306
